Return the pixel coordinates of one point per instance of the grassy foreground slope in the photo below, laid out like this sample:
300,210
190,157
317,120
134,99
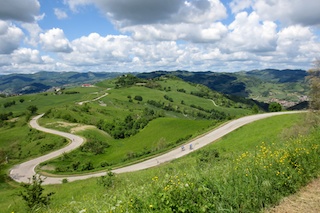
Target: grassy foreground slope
242,172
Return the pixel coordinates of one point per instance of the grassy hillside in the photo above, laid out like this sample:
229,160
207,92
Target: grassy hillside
286,86
168,112
133,119
235,174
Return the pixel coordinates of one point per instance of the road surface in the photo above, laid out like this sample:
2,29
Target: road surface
22,172
83,102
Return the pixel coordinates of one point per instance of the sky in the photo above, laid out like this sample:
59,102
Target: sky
148,35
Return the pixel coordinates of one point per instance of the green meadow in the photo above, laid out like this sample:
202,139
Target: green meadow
242,172
249,169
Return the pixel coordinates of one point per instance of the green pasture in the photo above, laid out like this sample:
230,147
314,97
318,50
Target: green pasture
45,101
216,182
161,134
20,142
158,136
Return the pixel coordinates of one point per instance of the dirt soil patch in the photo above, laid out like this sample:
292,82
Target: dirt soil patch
306,200
74,127
81,128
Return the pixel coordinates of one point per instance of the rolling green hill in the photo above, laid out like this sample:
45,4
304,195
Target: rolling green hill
127,119
287,87
129,109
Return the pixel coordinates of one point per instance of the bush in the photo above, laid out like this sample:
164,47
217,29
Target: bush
108,180
32,109
65,180
275,107
168,98
94,146
9,104
33,193
138,98
71,92
87,166
104,164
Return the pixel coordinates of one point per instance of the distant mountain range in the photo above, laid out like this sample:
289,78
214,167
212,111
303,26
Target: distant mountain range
42,81
286,86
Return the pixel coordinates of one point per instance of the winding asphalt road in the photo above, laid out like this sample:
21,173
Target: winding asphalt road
24,171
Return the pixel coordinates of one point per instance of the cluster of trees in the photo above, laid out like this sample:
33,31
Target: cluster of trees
137,98
94,146
275,107
165,106
153,85
202,94
181,90
129,126
9,104
71,92
127,80
5,116
205,114
76,166
212,113
168,98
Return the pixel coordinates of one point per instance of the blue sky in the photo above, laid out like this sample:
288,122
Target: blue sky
147,35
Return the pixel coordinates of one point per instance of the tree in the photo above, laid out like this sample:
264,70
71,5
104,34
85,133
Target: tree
255,109
138,98
274,107
33,193
314,82
33,109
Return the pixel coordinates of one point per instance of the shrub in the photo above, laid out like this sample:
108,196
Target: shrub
138,98
275,107
181,90
71,92
94,146
87,166
104,164
9,104
32,109
108,180
33,193
168,98
65,180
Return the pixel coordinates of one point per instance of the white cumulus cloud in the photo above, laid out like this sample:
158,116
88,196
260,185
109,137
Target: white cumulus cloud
10,37
248,33
54,40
